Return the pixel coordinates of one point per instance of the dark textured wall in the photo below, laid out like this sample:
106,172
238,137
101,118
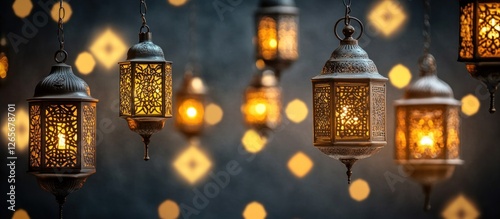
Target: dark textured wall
127,187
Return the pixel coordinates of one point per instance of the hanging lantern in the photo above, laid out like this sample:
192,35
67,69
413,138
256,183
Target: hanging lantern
427,140
349,99
479,42
191,106
262,102
145,86
277,33
62,130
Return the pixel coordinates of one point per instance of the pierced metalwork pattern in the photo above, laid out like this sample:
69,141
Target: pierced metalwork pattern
35,143
401,134
488,27
426,132
452,138
322,112
267,38
288,37
263,106
88,134
466,31
378,114
148,89
125,89
168,90
61,123
352,111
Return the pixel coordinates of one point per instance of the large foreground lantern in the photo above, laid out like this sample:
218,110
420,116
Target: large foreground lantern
349,102
145,86
479,42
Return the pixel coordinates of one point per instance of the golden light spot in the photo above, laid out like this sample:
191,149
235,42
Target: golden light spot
260,64
191,112
296,111
108,48
85,63
359,190
387,17
400,76
470,104
20,214
300,164
213,114
22,8
177,3
260,108
54,12
192,164
3,41
4,65
252,141
426,141
460,208
273,43
22,128
168,210
254,210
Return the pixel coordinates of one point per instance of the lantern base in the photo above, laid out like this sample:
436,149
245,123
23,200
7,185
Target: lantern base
489,75
145,127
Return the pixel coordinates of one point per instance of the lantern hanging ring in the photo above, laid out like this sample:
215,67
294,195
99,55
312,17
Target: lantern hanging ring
143,9
347,24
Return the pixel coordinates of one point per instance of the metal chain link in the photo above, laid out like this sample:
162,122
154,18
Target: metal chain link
143,9
347,5
427,26
193,56
61,55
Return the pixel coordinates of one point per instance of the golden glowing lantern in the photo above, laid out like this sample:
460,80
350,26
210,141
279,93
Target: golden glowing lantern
191,106
349,98
145,86
479,42
262,102
277,33
427,139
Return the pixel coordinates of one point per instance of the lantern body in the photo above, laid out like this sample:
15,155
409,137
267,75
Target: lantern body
262,102
191,106
277,35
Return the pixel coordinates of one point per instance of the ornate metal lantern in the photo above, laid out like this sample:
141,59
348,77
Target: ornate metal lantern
62,130
191,106
349,102
262,102
277,31
427,139
145,86
479,42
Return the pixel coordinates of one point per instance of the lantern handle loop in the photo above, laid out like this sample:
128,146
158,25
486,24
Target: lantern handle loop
61,54
353,18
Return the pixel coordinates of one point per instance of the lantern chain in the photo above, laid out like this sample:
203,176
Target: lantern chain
192,65
427,27
61,55
143,9
347,11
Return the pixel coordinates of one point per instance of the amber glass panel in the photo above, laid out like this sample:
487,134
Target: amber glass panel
125,89
453,129
267,38
35,143
263,106
148,89
288,38
488,39
466,49
426,132
61,136
352,111
89,135
401,138
322,112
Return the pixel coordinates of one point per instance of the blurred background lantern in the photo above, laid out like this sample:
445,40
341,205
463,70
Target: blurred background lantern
349,102
62,129
427,141
277,33
145,86
190,99
479,42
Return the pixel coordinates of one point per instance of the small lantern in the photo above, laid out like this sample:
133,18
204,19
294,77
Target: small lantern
262,102
427,139
191,106
277,33
62,131
479,42
349,99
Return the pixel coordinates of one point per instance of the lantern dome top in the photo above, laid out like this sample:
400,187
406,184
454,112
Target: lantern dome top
272,3
428,85
192,85
62,83
145,50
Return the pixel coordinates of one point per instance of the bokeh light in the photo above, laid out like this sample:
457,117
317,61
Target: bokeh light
213,114
20,214
359,190
470,105
460,208
387,17
168,210
108,48
252,141
3,41
300,164
4,65
260,64
68,11
192,164
22,129
85,63
22,8
400,76
296,111
177,3
254,210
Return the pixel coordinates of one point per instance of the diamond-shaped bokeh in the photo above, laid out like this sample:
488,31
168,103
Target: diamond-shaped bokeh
460,207
300,164
387,17
108,48
192,164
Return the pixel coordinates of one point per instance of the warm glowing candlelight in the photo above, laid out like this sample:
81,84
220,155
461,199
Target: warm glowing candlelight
426,141
260,108
62,141
273,43
191,112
